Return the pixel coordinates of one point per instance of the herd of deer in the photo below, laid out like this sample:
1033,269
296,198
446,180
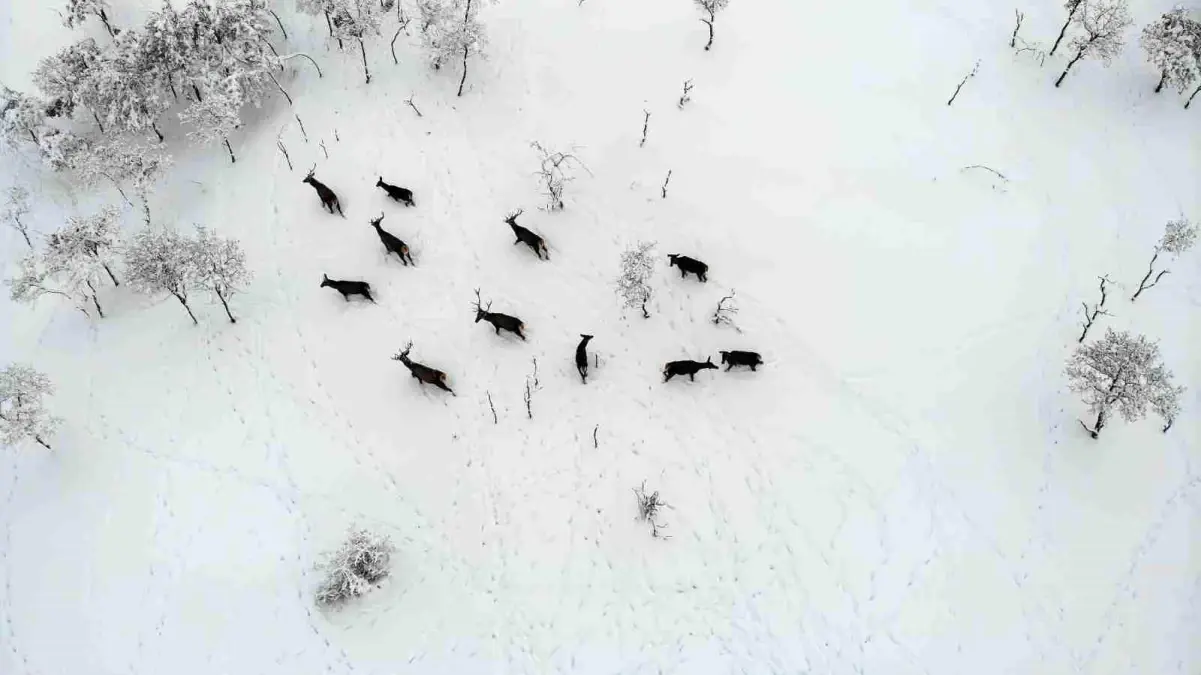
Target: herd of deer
426,375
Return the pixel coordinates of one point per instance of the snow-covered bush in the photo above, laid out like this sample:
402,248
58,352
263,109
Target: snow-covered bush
633,283
77,11
361,561
22,411
220,266
1173,45
162,261
1125,372
1178,236
16,206
1103,24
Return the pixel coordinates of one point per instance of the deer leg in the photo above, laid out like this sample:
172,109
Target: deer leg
729,366
692,377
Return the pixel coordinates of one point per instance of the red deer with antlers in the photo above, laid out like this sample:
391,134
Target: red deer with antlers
527,237
328,199
498,320
423,373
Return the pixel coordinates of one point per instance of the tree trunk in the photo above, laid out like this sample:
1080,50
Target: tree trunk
1191,97
111,275
154,125
98,122
232,159
35,136
395,60
196,90
645,314
226,306
107,25
1162,79
1079,55
44,444
1168,425
709,22
1064,30
94,300
281,88
363,49
1099,423
25,233
171,85
281,23
1142,285
463,80
184,302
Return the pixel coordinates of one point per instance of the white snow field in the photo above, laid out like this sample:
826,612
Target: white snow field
902,488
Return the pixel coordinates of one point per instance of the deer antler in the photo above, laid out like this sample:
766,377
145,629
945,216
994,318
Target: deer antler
310,173
401,355
377,221
513,215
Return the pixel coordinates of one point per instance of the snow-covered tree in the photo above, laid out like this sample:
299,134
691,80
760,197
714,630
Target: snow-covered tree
1103,24
363,560
1072,6
220,267
452,31
216,117
161,261
70,77
633,283
77,11
357,20
59,147
22,411
35,280
1121,371
1173,46
122,162
325,8
1178,237
21,116
128,93
88,244
161,49
16,207
555,170
710,8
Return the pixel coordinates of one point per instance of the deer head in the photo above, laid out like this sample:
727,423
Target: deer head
480,312
380,182
324,280
376,221
512,217
308,177
403,356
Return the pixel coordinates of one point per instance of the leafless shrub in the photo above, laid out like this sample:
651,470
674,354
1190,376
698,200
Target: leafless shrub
649,507
361,562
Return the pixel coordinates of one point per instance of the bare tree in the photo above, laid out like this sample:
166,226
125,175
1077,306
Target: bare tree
1091,313
1103,23
22,410
633,283
649,508
686,96
16,208
1178,237
556,169
1173,45
666,181
963,82
1121,371
362,561
35,280
711,8
724,314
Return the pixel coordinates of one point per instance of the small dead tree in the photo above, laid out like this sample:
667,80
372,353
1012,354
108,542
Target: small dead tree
1013,39
1091,313
1121,371
724,314
279,143
412,105
711,8
687,95
1103,23
665,182
646,122
556,170
1178,237
649,508
531,386
963,82
633,283
16,208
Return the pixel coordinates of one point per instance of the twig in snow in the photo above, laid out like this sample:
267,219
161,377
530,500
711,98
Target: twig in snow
324,150
531,385
981,166
685,97
281,23
403,25
280,144
1017,26
665,182
1090,315
285,57
302,131
412,105
336,136
963,82
595,443
646,121
493,407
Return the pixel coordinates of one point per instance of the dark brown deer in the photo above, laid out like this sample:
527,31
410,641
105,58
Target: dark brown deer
348,288
581,357
687,265
392,244
423,373
328,199
524,236
498,321
737,358
397,193
689,368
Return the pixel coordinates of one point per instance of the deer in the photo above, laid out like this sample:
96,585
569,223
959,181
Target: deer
581,357
689,368
392,244
348,288
524,236
397,193
423,373
737,358
329,200
687,265
498,321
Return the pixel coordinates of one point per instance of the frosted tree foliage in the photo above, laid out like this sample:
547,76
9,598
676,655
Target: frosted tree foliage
1121,372
91,240
357,20
633,283
1103,24
21,116
1173,46
69,77
22,410
452,32
121,162
216,117
363,560
16,208
34,280
160,261
78,11
1178,237
220,267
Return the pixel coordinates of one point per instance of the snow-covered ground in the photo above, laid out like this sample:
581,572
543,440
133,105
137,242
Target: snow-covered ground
903,488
